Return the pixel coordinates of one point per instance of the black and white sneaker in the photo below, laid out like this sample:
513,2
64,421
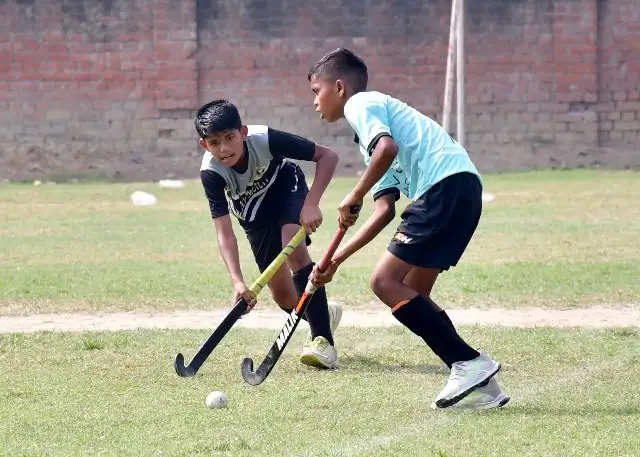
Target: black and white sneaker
485,397
465,377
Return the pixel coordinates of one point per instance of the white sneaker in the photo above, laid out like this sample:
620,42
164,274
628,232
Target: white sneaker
335,314
319,354
465,377
485,397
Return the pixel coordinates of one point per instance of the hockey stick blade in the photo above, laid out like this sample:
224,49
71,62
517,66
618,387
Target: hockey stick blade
209,345
240,307
182,371
256,377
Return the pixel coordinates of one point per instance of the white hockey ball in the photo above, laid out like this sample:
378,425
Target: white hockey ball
216,399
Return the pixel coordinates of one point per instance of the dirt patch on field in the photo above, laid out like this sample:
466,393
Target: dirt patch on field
593,317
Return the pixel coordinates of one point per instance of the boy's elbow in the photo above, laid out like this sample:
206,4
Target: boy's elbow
332,157
325,155
387,148
390,213
392,149
386,208
328,162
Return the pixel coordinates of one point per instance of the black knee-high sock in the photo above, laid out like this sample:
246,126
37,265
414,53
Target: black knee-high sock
317,312
436,329
446,318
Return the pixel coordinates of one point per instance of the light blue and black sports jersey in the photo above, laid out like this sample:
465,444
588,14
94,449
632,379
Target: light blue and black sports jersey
426,152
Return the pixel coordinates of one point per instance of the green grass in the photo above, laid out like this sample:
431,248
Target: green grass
550,238
115,394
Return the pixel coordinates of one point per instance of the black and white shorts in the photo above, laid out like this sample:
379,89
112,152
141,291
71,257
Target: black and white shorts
437,227
285,202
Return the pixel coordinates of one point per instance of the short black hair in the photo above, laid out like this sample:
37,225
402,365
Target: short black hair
217,116
342,64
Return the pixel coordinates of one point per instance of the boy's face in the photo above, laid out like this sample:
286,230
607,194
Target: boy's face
226,146
329,97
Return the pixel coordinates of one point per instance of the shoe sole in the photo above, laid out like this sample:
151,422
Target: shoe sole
503,401
499,404
313,361
446,402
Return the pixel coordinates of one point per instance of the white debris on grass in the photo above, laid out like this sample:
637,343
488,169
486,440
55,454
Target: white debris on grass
37,182
171,183
140,198
487,197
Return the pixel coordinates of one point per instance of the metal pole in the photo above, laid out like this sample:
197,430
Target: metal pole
448,82
460,72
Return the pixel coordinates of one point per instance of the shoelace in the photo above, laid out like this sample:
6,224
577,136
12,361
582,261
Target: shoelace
320,344
457,371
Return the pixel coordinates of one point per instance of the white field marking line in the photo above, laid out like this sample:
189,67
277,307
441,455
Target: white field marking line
365,446
599,316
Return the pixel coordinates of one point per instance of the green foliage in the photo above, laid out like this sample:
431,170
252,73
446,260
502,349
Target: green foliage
90,344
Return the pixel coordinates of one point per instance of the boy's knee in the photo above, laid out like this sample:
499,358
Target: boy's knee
298,258
378,284
286,299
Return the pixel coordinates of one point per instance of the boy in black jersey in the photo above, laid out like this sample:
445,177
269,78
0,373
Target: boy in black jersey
245,171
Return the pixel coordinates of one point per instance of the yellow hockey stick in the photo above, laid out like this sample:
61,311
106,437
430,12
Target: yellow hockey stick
240,307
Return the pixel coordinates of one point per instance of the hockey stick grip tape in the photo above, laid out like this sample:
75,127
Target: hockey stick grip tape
271,270
335,242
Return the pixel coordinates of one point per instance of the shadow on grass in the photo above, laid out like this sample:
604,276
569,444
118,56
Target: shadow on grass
361,363
514,408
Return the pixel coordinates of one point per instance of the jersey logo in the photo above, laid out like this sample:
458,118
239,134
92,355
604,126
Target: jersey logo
259,173
401,237
245,205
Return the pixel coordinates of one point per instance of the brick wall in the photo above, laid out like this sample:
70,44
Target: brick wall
109,87
618,106
96,88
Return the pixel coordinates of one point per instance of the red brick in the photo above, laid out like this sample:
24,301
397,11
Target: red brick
173,104
627,125
628,106
633,95
25,44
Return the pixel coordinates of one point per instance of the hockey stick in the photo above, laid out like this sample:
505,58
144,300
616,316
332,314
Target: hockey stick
237,311
256,377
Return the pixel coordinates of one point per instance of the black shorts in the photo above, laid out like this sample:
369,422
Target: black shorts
437,227
285,202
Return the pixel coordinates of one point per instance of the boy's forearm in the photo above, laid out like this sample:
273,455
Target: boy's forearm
374,225
325,167
228,247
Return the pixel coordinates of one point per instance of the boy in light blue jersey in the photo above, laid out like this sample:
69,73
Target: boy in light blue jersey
426,153
407,152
